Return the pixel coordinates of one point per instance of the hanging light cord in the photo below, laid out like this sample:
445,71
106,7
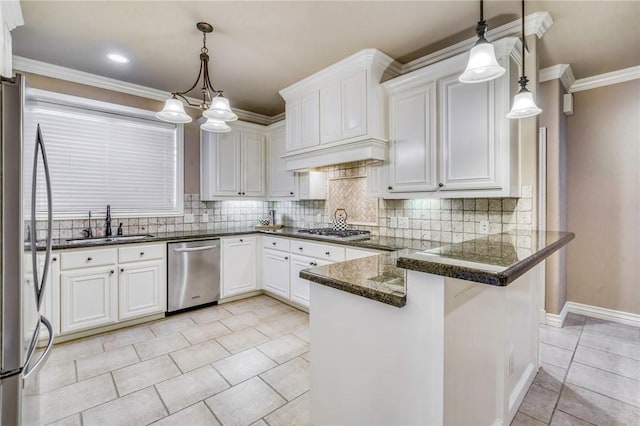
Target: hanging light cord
481,28
523,79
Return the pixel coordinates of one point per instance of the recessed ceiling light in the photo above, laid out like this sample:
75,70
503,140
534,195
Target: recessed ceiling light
118,58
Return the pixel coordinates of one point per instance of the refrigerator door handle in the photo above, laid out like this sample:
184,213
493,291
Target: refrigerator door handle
29,370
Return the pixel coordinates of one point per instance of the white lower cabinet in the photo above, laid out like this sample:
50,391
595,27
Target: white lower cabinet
238,265
300,286
88,298
142,289
275,272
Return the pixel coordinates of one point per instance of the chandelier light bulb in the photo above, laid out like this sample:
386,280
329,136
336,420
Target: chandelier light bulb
482,65
220,110
524,105
173,112
215,126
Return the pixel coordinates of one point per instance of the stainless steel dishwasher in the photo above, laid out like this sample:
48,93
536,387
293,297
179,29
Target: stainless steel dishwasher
193,274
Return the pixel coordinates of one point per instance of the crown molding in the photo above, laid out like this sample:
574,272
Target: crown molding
536,23
606,79
560,71
62,73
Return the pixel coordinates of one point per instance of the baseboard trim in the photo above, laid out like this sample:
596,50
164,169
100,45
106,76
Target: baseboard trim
603,313
557,320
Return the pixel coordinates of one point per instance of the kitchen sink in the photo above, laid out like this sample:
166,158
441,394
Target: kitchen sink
98,240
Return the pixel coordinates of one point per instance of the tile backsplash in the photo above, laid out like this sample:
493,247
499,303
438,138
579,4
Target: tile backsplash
446,220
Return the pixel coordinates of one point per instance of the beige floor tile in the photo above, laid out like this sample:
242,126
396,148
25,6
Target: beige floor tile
290,379
94,365
563,419
539,403
189,388
199,355
302,332
70,351
244,365
562,337
52,376
266,312
617,387
172,325
612,344
307,356
146,373
296,412
555,355
196,415
161,345
65,401
621,331
595,408
521,419
281,325
260,423
550,377
202,333
127,336
139,408
207,315
240,321
69,421
284,348
612,363
239,307
238,341
245,403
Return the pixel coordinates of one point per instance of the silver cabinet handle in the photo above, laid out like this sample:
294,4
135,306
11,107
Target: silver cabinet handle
190,249
29,371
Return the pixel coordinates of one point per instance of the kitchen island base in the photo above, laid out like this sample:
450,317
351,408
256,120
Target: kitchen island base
457,353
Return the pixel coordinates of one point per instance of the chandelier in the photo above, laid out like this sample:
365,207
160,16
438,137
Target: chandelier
215,107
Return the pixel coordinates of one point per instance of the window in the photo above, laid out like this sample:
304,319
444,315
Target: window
103,154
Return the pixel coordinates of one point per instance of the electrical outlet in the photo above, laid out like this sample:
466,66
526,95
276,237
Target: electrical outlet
484,227
205,217
393,222
403,222
188,218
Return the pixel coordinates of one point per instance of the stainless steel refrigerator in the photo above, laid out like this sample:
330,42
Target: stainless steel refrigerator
21,281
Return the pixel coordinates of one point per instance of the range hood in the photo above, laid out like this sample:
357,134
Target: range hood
369,149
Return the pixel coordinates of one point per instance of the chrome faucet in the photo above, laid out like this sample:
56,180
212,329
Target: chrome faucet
107,231
88,232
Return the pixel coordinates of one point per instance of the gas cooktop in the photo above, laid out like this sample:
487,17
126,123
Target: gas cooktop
330,233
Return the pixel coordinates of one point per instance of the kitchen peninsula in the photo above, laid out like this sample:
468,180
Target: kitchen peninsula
446,335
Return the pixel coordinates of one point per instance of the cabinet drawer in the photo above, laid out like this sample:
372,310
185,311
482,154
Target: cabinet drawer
136,253
88,258
281,244
319,251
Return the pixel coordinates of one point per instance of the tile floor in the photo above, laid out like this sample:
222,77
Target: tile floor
247,362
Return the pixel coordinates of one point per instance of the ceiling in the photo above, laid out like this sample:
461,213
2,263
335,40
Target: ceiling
260,47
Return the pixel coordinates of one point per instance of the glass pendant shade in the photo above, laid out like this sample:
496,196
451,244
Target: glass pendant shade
173,112
482,65
524,105
220,110
215,126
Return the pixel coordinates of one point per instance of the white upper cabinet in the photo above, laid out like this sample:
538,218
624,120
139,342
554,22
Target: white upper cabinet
282,183
350,112
452,139
233,164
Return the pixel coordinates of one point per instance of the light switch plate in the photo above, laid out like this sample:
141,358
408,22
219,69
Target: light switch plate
393,222
188,218
403,222
483,227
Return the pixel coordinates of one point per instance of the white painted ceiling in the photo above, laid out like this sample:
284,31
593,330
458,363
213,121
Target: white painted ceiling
260,47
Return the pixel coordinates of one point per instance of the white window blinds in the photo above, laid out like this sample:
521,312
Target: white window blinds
98,158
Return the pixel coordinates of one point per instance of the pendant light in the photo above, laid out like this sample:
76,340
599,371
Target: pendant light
523,103
215,107
482,65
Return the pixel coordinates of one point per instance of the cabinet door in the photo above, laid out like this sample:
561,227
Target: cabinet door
354,105
275,272
310,114
293,114
412,134
330,113
226,163
239,266
51,302
300,286
282,183
253,164
142,289
469,148
88,298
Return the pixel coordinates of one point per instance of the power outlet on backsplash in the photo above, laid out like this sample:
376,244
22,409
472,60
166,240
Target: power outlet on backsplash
188,218
403,222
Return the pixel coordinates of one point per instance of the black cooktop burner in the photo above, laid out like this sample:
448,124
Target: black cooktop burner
350,234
